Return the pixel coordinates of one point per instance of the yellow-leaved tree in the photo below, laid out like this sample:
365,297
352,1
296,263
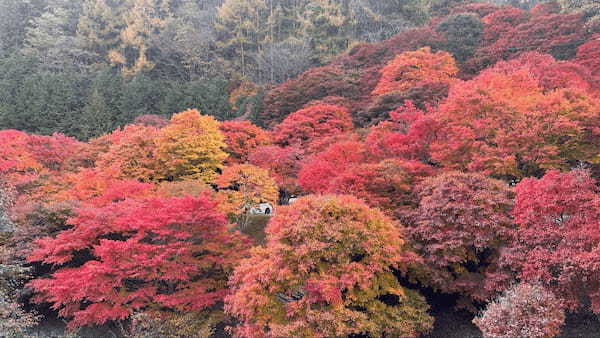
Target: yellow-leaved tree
123,33
242,187
132,151
190,147
142,19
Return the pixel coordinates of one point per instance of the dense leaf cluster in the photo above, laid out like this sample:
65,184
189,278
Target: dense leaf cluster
453,159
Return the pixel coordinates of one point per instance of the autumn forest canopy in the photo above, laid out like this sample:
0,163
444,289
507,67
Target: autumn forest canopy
299,168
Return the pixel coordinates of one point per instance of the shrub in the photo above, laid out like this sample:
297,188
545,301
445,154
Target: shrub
14,320
174,325
523,311
7,197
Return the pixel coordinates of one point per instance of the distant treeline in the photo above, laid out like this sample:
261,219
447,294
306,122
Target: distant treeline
85,67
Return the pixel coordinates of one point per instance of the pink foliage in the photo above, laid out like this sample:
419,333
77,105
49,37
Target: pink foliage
461,223
523,311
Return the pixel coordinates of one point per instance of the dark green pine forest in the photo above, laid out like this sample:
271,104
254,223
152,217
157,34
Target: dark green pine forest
83,68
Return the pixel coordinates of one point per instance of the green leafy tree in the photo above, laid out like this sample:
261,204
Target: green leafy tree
15,16
324,24
463,34
242,28
44,102
51,37
141,95
210,96
102,112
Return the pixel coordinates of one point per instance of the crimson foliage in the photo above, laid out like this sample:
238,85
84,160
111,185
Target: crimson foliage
556,34
314,84
557,238
459,227
588,55
283,164
308,124
173,253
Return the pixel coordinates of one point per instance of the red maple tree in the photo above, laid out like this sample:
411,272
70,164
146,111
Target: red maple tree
308,124
242,138
557,238
134,254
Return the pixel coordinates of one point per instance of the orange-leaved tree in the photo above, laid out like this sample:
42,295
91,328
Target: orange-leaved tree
133,152
242,138
414,69
506,124
328,270
243,187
